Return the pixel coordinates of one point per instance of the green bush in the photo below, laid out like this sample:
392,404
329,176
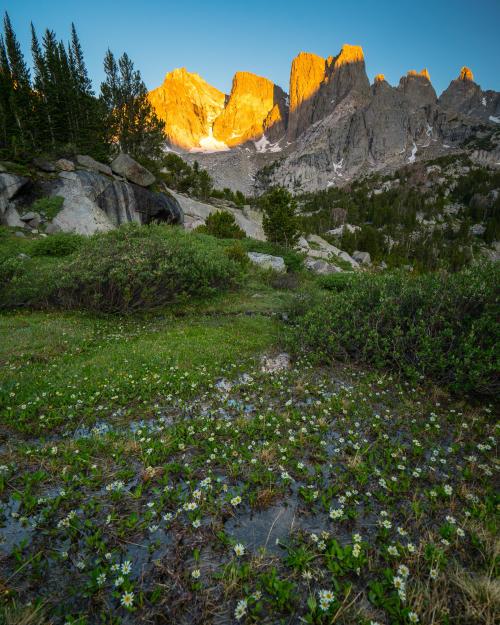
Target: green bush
338,282
59,244
237,253
439,326
222,225
144,267
131,268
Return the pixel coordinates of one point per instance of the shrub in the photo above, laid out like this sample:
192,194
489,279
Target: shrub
441,326
237,253
144,267
338,282
59,244
222,225
131,268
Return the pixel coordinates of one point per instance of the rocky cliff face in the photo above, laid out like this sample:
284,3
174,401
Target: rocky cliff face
255,105
188,105
306,75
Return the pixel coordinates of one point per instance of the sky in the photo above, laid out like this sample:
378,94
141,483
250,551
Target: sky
215,39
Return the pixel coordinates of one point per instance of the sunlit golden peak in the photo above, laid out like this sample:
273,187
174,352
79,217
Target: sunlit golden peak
466,74
379,77
424,73
349,54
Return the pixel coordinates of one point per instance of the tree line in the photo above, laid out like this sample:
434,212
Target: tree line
52,108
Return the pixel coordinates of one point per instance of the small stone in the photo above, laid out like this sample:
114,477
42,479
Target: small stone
65,165
363,258
29,216
44,165
274,364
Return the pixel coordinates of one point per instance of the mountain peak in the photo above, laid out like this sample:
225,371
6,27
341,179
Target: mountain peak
466,74
349,54
412,73
379,77
254,102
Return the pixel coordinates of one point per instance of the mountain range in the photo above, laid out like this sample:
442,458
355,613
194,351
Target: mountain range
332,125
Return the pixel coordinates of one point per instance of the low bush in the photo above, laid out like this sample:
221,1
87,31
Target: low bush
237,252
131,268
59,244
222,225
338,282
440,326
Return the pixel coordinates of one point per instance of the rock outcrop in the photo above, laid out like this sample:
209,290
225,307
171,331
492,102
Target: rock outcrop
266,261
417,89
92,202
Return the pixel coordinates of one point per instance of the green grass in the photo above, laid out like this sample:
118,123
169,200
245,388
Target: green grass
61,366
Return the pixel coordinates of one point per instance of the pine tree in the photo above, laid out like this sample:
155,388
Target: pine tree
133,125
21,136
280,222
7,121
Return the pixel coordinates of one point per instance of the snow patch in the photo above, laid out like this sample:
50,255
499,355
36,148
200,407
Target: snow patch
337,167
413,155
495,120
483,101
210,144
264,145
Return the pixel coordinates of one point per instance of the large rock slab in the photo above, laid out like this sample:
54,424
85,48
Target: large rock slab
266,261
89,163
327,250
124,165
196,213
93,202
321,267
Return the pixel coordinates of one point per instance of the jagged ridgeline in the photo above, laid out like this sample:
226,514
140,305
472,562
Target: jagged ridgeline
333,126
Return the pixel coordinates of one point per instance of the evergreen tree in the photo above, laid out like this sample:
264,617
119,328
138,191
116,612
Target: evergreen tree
7,121
20,97
280,222
133,126
43,120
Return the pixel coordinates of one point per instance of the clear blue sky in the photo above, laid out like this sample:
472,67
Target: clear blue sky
215,38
